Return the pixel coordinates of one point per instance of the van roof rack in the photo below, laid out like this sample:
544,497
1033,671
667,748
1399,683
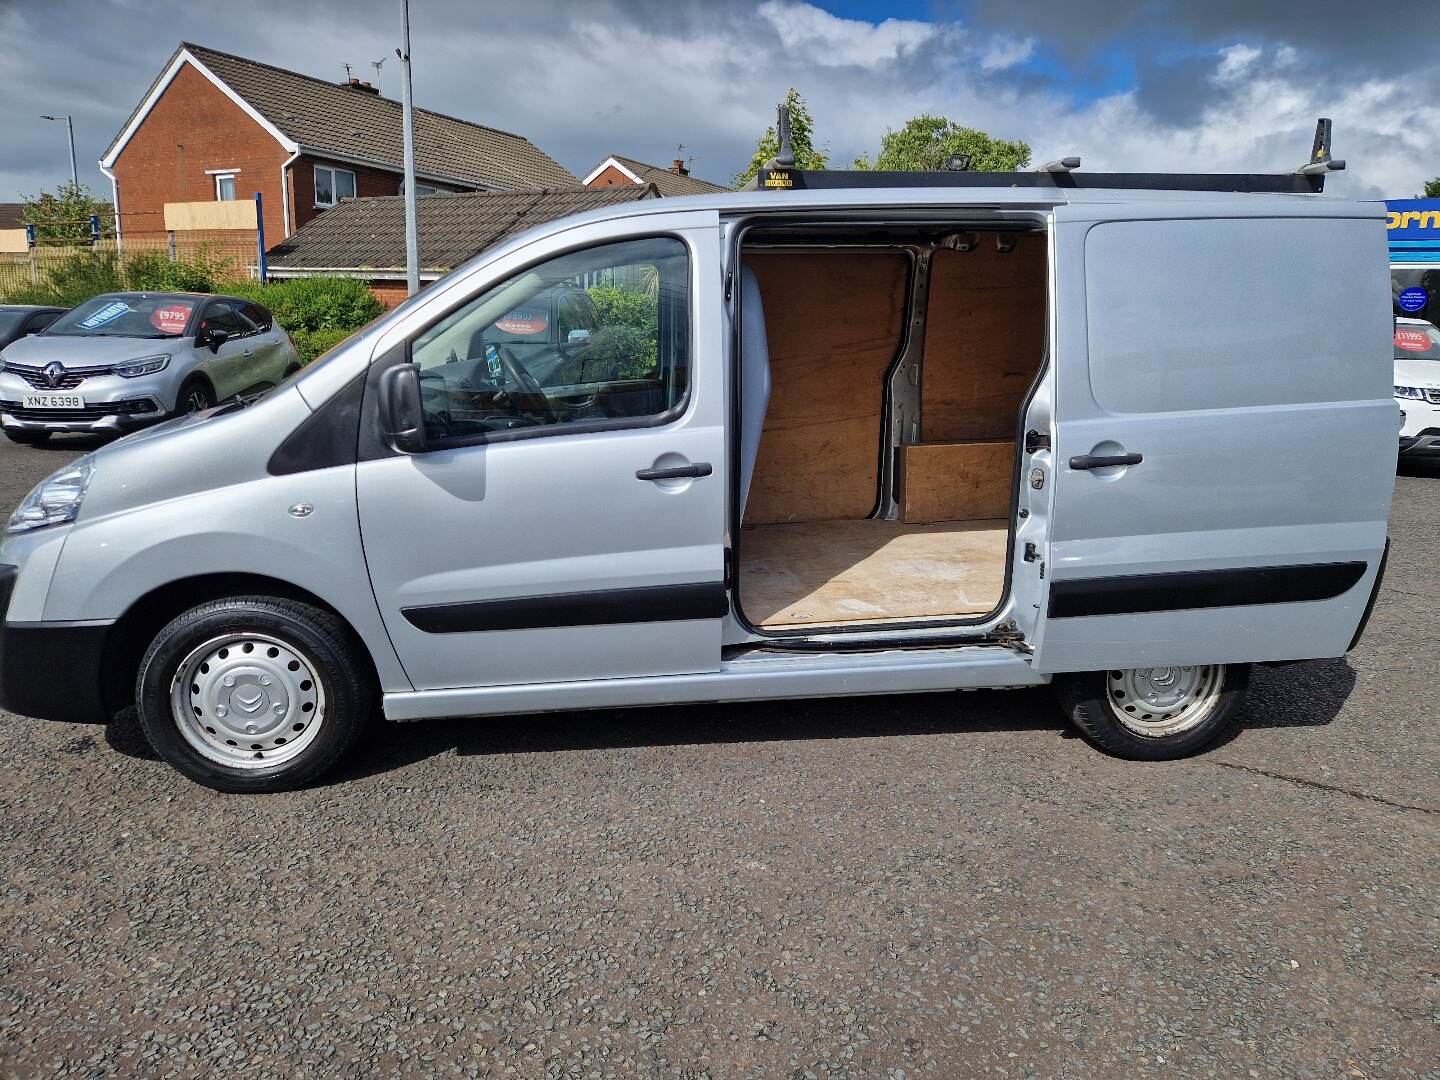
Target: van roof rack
780,174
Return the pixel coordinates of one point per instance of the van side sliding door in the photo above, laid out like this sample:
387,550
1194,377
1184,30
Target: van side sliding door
1224,434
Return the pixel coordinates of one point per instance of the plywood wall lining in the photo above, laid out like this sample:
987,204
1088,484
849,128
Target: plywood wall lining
956,481
984,339
835,324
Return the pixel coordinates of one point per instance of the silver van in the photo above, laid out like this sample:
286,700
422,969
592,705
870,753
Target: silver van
1122,434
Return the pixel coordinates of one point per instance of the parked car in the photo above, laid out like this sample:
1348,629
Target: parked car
1417,385
125,360
22,320
855,438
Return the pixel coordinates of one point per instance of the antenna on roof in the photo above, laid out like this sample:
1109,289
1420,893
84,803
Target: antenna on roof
377,65
348,76
1320,160
1064,164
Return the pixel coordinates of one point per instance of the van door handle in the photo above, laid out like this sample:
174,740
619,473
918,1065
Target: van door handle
679,472
1104,461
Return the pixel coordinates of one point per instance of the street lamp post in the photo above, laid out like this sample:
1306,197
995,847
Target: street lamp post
70,130
412,230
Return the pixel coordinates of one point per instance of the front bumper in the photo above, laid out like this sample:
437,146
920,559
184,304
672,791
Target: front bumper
112,404
1419,427
52,671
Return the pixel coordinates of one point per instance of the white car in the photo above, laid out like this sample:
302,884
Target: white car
1417,385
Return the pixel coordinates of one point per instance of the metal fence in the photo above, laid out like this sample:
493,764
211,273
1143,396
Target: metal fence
223,254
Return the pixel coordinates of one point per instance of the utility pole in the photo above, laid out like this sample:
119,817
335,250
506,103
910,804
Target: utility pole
70,130
407,107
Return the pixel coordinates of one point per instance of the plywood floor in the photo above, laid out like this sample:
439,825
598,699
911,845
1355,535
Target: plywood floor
826,572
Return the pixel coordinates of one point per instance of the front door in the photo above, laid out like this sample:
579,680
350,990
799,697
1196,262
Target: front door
566,523
1224,437
229,367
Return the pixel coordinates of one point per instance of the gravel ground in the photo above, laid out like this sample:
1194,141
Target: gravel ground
929,886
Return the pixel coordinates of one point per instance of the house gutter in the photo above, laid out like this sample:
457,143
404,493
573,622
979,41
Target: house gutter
429,273
285,189
114,203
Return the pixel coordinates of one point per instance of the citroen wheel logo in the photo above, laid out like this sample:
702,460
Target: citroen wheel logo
54,372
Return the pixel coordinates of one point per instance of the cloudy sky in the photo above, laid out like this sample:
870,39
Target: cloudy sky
1127,84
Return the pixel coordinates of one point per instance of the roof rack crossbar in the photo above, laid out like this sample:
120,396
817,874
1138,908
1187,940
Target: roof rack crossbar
1309,179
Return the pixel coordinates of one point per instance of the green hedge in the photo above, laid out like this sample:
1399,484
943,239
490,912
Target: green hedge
318,312
309,304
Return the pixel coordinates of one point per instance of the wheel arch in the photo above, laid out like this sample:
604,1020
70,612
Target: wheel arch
136,628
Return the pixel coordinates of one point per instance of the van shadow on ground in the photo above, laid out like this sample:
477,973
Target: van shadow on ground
1300,695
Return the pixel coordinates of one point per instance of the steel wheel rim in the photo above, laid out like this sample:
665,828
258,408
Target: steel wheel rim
1155,702
247,700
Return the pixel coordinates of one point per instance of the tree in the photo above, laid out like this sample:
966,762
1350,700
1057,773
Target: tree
926,142
1432,189
64,216
802,136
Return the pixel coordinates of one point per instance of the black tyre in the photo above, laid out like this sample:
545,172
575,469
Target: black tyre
27,438
1157,713
254,693
195,396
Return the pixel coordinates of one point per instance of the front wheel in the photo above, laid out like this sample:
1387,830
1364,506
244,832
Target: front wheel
1154,713
195,396
254,693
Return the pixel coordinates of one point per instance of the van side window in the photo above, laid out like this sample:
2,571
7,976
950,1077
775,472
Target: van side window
599,334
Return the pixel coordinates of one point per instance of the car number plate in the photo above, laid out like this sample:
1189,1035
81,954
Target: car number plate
54,401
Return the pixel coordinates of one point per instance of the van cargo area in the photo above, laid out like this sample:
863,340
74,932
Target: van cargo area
883,478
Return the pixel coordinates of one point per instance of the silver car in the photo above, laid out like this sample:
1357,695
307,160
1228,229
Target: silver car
124,360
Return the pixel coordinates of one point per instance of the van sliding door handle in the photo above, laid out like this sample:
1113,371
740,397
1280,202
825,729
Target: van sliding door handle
1104,461
679,472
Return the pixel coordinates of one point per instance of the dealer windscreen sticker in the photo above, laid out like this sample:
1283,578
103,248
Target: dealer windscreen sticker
1413,299
107,314
1412,340
523,322
170,319
492,360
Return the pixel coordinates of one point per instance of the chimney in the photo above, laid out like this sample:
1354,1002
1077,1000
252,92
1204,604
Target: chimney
677,166
359,84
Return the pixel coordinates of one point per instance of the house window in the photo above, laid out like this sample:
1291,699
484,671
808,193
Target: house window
332,185
224,186
421,190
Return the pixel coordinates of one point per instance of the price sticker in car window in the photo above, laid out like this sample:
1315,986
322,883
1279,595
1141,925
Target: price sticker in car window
170,319
523,322
1412,340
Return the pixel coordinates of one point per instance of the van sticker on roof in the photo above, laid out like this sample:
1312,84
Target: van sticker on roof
171,319
522,322
107,314
1413,299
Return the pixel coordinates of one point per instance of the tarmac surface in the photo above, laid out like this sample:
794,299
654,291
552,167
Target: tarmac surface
940,885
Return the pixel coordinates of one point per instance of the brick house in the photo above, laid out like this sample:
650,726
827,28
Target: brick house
214,126
676,180
365,237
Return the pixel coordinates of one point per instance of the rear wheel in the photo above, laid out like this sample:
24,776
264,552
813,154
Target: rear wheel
1154,713
27,438
195,396
254,693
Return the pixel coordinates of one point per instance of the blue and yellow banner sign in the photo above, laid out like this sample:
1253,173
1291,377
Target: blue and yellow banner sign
1413,227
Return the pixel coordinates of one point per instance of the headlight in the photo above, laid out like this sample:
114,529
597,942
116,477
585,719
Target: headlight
1410,392
54,501
146,365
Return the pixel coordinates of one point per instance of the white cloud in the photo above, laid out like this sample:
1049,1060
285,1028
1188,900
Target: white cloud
610,76
1007,52
813,34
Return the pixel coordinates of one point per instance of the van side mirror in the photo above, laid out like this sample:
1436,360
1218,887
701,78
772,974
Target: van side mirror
215,338
402,417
